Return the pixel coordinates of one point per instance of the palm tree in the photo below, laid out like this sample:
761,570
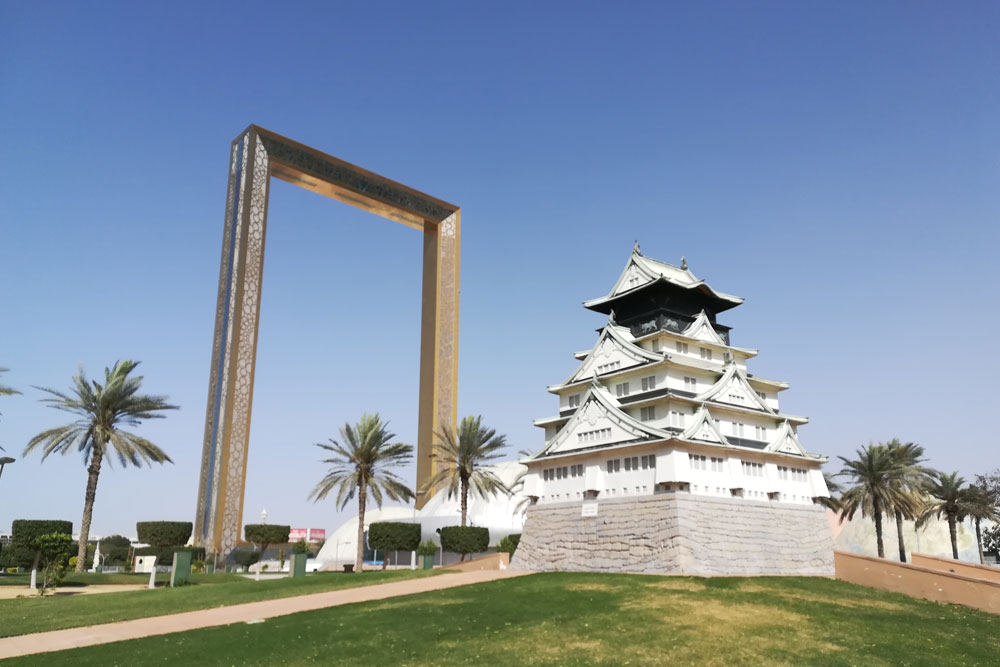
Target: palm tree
911,480
875,474
832,502
460,454
980,505
361,465
948,497
6,391
102,410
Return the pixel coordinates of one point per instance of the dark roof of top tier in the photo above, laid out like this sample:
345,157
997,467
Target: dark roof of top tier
643,272
648,296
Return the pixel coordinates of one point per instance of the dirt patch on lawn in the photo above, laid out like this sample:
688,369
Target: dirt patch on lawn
10,592
676,585
803,596
591,587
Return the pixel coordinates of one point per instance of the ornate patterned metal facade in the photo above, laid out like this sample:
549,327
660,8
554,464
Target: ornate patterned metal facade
256,155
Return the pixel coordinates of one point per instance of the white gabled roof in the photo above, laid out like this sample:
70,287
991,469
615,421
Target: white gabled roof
734,381
702,329
785,442
614,344
704,428
599,411
640,271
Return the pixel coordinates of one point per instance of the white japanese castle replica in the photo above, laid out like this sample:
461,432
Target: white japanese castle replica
667,454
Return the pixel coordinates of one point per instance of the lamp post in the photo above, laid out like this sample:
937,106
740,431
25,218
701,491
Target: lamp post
4,460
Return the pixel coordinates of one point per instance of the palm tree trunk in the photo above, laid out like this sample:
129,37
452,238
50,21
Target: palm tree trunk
93,471
979,542
465,508
899,536
361,528
952,530
877,513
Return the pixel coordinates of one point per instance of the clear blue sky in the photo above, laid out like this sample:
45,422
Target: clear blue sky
836,164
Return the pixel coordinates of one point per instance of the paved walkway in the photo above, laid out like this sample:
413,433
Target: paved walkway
60,640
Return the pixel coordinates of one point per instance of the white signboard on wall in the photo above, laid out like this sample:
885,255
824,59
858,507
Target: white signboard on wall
589,509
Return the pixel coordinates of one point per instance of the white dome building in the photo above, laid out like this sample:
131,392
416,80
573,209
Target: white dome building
500,514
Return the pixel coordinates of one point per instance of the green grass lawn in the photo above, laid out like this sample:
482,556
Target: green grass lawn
25,615
78,579
592,619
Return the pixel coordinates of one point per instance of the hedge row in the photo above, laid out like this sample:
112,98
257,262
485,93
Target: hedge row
164,533
25,532
465,539
394,536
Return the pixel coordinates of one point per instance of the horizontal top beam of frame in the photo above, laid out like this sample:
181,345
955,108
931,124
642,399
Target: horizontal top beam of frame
326,175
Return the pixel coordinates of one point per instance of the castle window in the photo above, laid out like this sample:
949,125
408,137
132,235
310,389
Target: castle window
716,464
649,383
752,469
677,419
621,389
574,400
593,436
760,432
691,384
706,354
682,347
738,429
649,462
614,465
762,395
607,368
656,345
647,414
697,462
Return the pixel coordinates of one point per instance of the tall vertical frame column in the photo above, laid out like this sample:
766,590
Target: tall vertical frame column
256,155
234,350
438,342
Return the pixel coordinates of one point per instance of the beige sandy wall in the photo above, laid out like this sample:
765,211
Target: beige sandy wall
972,570
917,581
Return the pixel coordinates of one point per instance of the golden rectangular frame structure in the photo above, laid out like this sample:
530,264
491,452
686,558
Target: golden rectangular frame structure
255,156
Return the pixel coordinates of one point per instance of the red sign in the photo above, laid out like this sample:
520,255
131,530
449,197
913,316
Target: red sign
307,534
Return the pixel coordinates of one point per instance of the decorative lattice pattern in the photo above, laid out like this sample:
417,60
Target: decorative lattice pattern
353,179
447,319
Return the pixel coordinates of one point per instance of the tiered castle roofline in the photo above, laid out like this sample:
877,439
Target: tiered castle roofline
642,273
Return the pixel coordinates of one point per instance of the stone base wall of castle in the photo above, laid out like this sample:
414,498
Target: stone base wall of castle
678,534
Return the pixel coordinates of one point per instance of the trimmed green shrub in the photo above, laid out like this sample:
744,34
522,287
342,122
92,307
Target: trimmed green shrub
264,534
300,547
246,557
27,533
427,548
394,536
114,550
508,544
465,539
164,533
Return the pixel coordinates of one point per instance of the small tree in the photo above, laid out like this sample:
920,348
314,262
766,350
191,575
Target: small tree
115,549
300,547
465,540
282,557
55,550
265,534
246,557
393,536
508,544
991,540
27,532
162,534
427,548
